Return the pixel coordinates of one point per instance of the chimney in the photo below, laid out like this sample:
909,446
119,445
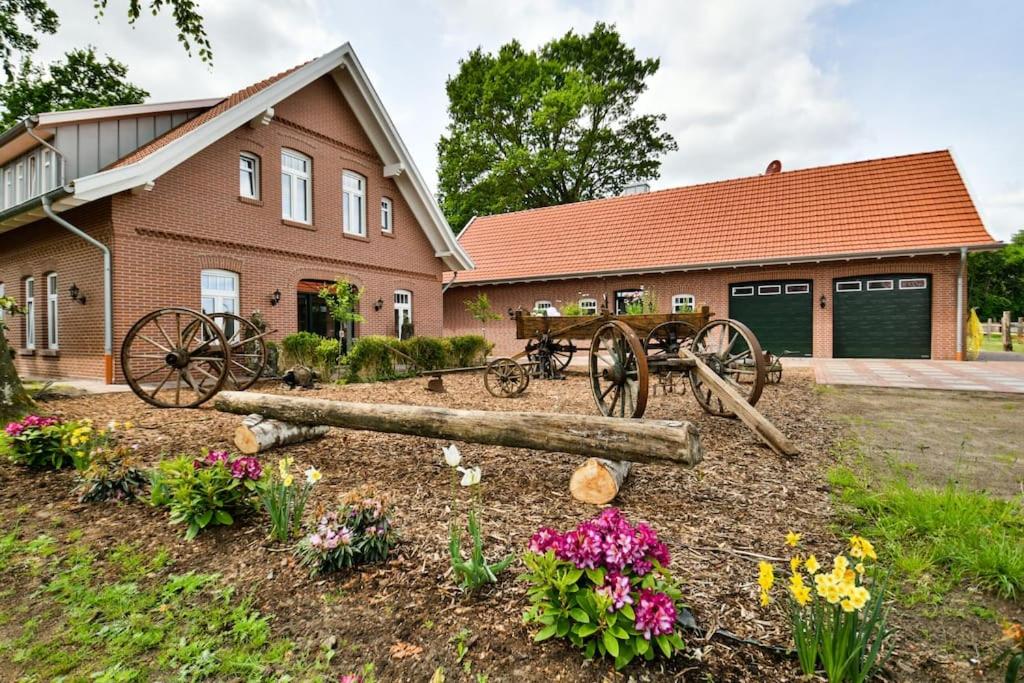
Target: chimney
774,167
638,188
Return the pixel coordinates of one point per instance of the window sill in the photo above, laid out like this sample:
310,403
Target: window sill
390,233
251,201
26,352
297,224
358,238
49,353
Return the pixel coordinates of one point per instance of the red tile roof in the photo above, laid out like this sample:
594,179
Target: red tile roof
904,203
193,123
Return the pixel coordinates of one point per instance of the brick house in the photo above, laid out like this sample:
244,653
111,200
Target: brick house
865,259
236,204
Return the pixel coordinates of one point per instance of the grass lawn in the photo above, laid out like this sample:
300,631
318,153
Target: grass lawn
994,342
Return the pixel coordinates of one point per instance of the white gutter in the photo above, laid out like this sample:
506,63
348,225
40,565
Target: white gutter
108,287
960,350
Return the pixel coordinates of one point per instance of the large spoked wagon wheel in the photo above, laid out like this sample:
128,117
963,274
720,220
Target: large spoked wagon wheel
666,339
732,351
248,350
506,378
618,371
175,358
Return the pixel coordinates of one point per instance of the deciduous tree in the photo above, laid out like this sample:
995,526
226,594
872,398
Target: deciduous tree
533,128
996,280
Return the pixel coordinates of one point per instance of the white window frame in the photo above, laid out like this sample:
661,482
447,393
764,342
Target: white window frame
19,183
401,307
744,290
798,288
219,296
48,182
765,290
9,188
909,283
849,286
3,293
252,172
52,320
30,313
542,305
588,305
33,176
886,286
387,215
353,195
292,178
687,300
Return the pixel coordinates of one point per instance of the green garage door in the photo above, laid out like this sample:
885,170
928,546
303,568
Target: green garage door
882,316
778,311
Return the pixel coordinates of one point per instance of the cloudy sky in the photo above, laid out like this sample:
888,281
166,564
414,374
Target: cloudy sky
807,82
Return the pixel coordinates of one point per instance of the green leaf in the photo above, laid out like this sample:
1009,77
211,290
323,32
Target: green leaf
619,632
563,627
596,576
665,646
203,519
579,615
223,517
610,643
545,633
584,630
192,532
627,611
642,646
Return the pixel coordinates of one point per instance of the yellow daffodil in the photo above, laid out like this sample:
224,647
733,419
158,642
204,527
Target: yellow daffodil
794,563
847,605
313,475
128,425
812,564
288,480
765,599
840,565
792,539
283,465
861,548
802,595
860,567
765,576
832,594
859,597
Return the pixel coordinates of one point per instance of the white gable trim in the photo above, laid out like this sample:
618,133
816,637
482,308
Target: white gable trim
348,73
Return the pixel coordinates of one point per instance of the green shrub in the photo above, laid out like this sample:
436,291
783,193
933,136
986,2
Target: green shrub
429,353
206,491
571,309
359,532
371,359
42,441
300,348
468,350
327,357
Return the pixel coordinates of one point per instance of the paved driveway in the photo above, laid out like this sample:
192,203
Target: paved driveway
1001,376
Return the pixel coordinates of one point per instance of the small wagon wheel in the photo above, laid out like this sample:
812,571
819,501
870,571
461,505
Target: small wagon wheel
732,351
666,339
774,364
618,371
248,350
505,378
178,350
561,353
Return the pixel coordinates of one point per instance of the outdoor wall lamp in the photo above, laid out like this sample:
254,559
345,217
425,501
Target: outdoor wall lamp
822,301
379,304
275,298
74,292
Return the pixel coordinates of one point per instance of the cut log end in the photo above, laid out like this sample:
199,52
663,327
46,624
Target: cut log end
598,481
257,434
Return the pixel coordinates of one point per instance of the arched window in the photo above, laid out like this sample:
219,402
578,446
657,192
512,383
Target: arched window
296,186
353,203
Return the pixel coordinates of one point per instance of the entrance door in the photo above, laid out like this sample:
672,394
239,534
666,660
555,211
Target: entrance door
778,311
626,296
882,316
313,316
403,314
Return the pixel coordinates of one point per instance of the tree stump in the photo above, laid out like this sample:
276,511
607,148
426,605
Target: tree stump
598,480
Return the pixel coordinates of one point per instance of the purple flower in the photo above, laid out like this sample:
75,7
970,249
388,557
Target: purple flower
14,429
655,614
217,456
545,539
617,587
315,540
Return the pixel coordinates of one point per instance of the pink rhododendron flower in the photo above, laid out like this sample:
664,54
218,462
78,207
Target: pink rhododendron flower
545,539
617,587
14,429
217,456
655,614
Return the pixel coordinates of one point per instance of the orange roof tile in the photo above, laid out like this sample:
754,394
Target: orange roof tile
193,123
905,203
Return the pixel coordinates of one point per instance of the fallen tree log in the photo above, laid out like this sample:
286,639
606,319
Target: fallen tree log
258,433
652,441
598,480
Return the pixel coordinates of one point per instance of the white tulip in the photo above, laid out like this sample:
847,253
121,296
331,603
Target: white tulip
470,476
452,455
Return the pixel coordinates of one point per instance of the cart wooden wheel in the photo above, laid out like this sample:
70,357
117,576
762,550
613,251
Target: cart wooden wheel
558,353
178,351
666,339
248,350
774,364
618,371
506,378
732,351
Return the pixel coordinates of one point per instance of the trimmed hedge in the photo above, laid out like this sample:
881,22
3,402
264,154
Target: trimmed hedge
300,348
371,358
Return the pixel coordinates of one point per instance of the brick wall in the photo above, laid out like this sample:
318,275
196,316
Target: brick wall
711,287
193,219
44,247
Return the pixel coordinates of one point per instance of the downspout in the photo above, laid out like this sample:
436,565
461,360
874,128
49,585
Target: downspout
108,287
455,275
960,276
